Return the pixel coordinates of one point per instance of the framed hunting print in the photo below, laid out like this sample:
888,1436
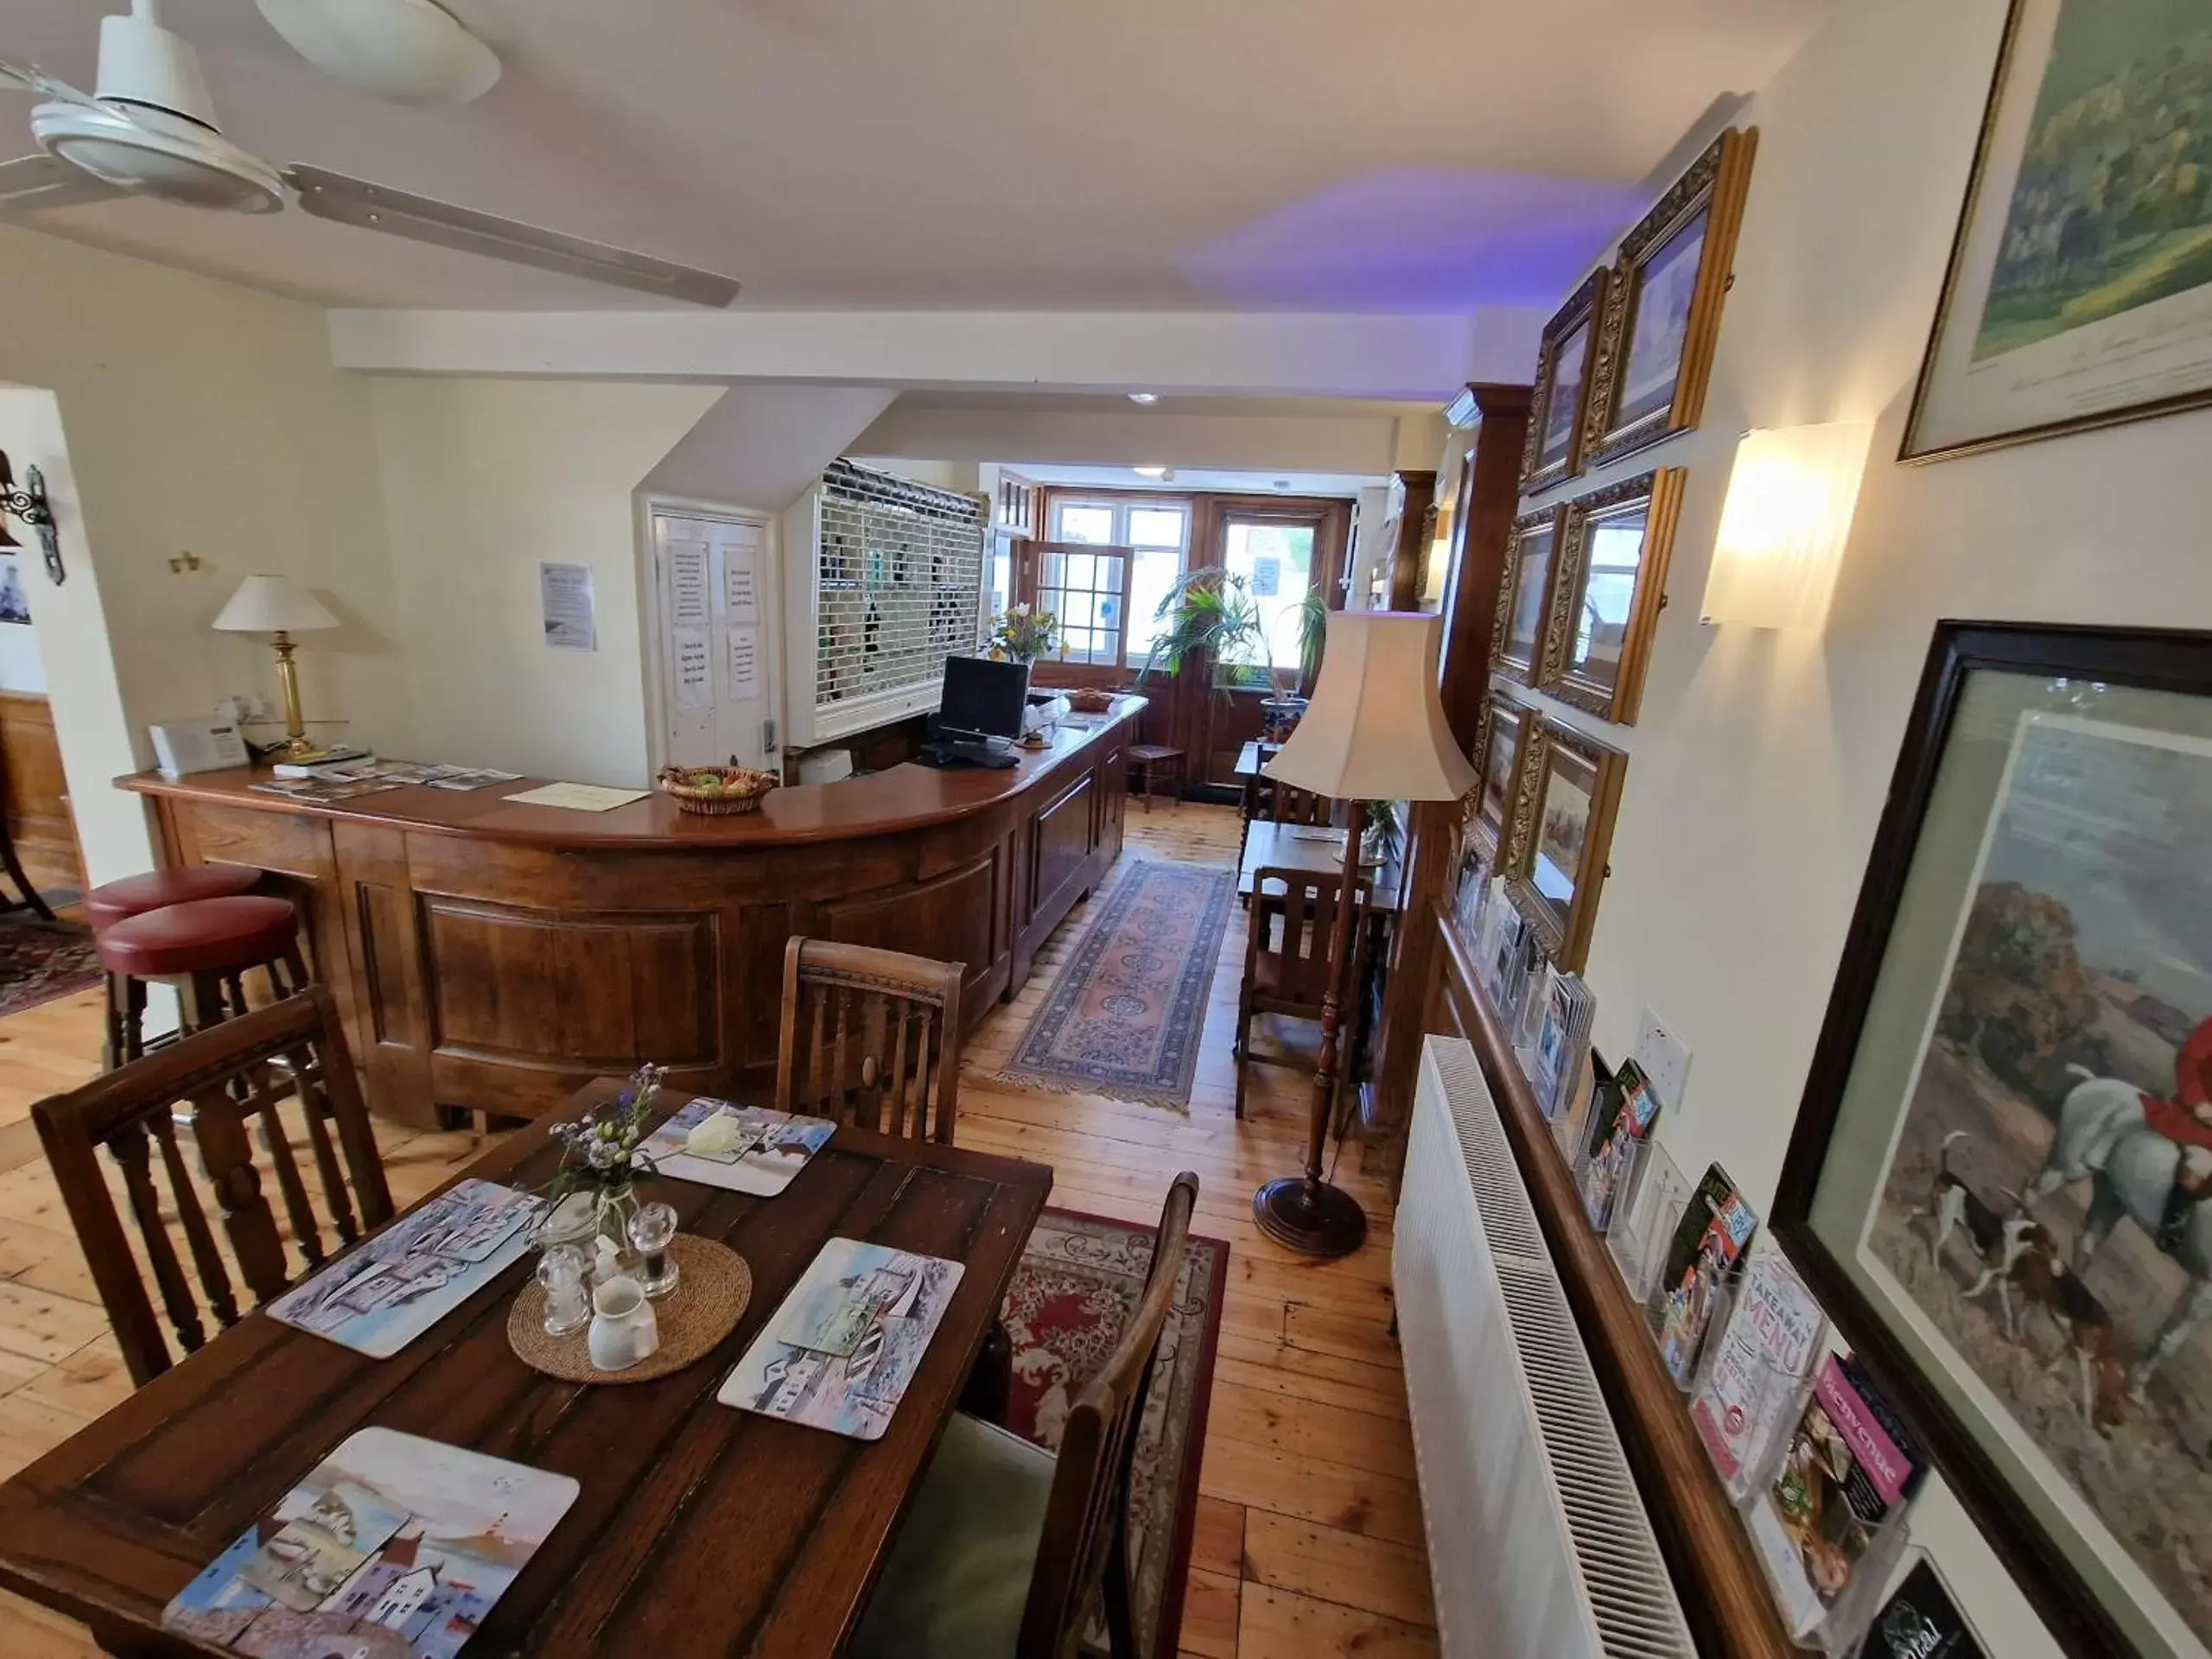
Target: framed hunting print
1562,396
1611,583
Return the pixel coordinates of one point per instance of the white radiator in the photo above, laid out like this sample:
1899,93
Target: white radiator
1538,1542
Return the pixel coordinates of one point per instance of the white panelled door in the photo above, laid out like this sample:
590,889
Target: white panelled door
719,599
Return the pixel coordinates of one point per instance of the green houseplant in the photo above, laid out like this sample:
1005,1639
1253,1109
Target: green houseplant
1212,613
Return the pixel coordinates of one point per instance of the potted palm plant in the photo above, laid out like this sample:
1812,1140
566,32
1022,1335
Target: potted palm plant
1212,613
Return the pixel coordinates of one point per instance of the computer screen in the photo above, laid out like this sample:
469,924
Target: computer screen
983,697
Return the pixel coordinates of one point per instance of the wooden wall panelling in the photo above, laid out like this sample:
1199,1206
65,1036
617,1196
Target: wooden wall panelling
1412,495
37,803
1723,1589
382,995
1488,463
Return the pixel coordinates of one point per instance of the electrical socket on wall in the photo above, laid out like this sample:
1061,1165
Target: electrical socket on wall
1665,1059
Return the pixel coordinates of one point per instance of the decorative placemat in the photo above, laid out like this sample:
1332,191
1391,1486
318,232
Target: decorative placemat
703,1308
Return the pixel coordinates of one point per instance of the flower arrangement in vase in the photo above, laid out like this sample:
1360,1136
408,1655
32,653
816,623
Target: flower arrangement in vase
1024,634
594,1193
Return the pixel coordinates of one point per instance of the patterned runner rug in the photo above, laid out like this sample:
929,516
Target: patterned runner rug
1124,1016
40,961
1078,1284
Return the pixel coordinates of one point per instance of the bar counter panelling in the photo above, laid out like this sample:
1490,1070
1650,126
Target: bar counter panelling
495,956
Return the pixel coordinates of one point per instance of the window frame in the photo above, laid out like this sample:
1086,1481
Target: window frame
1122,504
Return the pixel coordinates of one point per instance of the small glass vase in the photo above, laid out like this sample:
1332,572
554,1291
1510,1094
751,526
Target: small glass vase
617,1205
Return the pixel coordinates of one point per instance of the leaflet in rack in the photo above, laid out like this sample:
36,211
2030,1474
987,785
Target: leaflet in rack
379,1297
744,1148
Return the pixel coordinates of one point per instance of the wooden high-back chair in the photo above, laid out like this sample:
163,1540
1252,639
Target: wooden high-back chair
870,1037
1282,803
1286,954
238,1072
1085,1552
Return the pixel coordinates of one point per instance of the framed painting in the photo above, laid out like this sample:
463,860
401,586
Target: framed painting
2079,292
1524,595
1500,747
1558,836
1611,583
1554,450
2020,1038
1662,316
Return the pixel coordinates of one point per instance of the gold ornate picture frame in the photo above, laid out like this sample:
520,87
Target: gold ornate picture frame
1560,404
1560,835
1500,747
1610,588
1661,318
1524,595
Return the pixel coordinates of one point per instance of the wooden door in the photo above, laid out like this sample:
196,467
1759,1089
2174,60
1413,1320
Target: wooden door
716,593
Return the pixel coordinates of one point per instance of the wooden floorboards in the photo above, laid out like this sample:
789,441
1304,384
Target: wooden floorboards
1309,1540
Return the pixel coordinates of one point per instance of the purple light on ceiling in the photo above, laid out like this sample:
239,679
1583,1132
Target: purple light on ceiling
1417,240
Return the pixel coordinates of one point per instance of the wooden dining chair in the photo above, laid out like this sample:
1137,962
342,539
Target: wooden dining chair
870,1037
1009,1552
1286,954
1282,803
239,1071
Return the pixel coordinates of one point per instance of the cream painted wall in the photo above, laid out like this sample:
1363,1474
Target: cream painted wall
206,416
1761,761
482,479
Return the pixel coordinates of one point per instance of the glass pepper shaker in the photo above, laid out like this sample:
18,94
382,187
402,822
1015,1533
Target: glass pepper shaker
561,1272
652,1230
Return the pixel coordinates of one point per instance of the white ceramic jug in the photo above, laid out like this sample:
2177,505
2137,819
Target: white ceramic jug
623,1329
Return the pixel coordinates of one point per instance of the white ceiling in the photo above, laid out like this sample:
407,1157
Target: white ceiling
1187,479
1387,156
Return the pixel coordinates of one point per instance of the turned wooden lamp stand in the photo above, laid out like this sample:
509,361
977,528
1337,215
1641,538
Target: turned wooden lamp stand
1374,731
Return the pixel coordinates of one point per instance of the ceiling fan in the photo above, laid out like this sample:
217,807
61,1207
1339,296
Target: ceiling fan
150,130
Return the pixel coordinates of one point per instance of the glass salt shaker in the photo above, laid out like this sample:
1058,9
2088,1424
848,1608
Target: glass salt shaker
650,1231
561,1270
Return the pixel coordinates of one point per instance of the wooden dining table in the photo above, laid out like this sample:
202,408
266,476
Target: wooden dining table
699,1529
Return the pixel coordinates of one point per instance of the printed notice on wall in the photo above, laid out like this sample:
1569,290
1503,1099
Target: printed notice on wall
694,671
744,664
687,585
564,593
741,584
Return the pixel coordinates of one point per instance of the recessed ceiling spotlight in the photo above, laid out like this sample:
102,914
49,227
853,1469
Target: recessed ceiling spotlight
1282,483
1160,472
1147,399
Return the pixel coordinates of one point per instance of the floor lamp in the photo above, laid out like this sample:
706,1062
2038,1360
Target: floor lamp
1374,731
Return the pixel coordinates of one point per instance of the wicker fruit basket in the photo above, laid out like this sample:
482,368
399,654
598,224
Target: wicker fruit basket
716,791
1089,700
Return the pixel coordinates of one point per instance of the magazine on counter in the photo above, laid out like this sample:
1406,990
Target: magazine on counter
1623,1119
382,1294
1847,1471
1708,1241
1759,1362
840,1351
392,1547
744,1148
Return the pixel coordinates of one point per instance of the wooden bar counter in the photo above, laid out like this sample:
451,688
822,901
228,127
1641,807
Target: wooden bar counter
496,957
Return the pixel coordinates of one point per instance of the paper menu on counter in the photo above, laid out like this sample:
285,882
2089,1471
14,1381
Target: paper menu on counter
578,797
766,1148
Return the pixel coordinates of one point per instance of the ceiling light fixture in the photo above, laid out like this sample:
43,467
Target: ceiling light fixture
1147,399
1162,473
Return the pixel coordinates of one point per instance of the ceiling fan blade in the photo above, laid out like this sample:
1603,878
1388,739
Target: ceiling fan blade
29,78
38,182
374,208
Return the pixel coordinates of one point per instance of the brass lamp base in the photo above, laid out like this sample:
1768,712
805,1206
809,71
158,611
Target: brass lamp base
295,751
1310,1217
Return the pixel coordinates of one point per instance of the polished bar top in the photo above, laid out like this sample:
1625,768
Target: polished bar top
906,797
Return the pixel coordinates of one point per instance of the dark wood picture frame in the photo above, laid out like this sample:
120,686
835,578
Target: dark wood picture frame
1911,447
1579,316
2157,659
1658,496
1598,769
1712,191
1504,657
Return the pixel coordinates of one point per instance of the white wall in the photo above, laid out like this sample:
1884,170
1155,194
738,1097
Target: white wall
761,446
482,479
1761,761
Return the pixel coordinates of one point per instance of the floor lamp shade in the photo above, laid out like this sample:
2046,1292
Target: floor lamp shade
1375,730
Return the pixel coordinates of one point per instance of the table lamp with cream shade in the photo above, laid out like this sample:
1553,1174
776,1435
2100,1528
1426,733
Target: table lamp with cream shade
1374,731
279,607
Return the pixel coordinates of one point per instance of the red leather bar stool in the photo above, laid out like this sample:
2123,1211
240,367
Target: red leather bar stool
204,947
134,895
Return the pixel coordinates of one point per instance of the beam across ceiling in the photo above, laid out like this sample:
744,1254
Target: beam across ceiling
1190,353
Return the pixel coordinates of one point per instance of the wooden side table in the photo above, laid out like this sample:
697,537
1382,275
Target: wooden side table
1146,762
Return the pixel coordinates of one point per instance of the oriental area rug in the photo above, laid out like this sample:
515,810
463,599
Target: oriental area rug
1124,1017
1079,1280
40,961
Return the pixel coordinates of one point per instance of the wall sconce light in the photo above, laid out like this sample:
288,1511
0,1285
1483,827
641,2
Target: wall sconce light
1782,529
29,505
